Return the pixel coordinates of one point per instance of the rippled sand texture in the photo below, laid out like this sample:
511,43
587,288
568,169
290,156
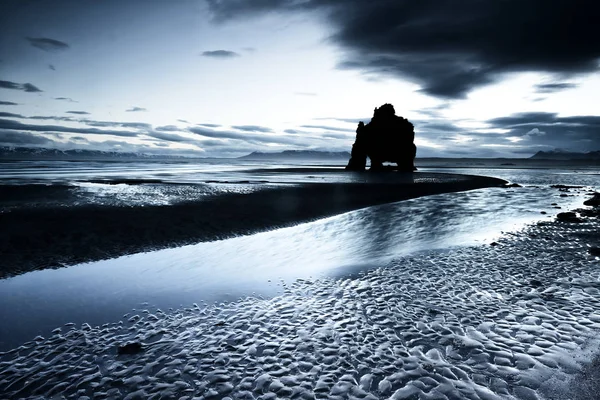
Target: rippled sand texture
507,321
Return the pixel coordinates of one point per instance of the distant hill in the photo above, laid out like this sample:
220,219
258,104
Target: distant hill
31,153
298,155
565,155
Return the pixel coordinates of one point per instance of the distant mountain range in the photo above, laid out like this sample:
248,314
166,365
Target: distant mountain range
31,153
565,155
298,155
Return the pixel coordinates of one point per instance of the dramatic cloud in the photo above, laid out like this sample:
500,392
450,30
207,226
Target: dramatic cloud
171,137
26,87
578,133
47,44
449,47
554,87
113,124
136,109
167,128
7,124
220,54
252,128
78,112
10,115
8,103
253,137
10,138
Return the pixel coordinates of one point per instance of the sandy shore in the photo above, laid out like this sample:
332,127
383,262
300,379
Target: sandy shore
52,237
518,320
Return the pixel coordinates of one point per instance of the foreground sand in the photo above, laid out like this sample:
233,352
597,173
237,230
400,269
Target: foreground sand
52,237
516,320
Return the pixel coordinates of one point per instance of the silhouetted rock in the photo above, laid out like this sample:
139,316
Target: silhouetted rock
568,217
594,201
387,138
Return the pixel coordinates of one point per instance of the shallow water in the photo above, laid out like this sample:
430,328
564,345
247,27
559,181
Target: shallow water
227,270
392,300
517,320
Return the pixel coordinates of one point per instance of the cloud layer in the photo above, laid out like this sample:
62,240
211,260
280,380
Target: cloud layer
26,87
47,44
450,48
220,54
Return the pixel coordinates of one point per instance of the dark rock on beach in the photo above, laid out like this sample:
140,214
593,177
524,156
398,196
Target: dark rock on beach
594,201
386,138
568,217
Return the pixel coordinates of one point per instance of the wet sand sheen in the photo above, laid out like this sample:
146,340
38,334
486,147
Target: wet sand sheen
57,236
516,320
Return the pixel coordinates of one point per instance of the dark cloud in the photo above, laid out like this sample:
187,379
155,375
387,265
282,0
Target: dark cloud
8,103
113,124
579,133
449,47
209,125
167,128
10,115
136,109
78,112
220,54
554,87
252,128
54,118
7,124
251,137
11,138
183,120
70,100
47,44
26,87
170,137
437,126
52,67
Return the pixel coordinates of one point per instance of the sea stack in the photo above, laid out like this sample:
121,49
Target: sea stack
386,138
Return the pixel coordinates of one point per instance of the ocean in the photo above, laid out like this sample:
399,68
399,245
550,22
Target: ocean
473,294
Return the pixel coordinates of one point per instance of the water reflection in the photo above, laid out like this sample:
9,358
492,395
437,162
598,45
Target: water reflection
100,292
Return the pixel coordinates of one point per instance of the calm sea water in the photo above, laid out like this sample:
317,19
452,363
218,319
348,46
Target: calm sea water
257,265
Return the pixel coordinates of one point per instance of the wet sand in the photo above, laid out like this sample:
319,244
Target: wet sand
518,320
52,237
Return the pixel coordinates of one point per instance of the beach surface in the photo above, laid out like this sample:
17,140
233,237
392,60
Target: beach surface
54,235
516,320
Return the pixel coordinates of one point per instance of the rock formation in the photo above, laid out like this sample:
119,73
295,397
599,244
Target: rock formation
387,138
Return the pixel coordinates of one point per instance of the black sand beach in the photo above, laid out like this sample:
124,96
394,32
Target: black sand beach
52,237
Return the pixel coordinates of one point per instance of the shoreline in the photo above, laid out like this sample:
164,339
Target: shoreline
55,237
510,320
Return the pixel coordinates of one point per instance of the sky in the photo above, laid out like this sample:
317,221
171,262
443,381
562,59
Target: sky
223,78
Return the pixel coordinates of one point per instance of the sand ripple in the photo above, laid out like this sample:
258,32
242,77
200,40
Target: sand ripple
489,322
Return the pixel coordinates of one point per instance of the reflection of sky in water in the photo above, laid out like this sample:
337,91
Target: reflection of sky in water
226,270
